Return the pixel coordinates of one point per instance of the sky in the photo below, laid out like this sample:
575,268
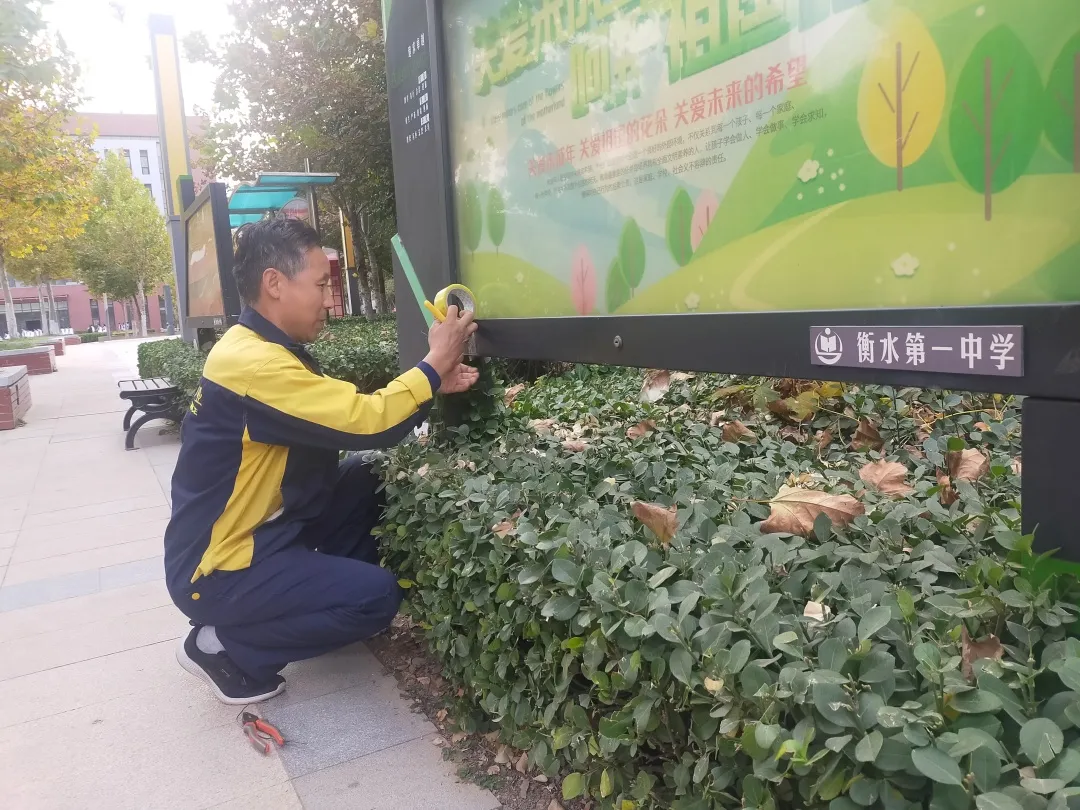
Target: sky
114,54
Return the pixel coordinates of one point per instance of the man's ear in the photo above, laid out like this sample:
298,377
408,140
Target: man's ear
271,283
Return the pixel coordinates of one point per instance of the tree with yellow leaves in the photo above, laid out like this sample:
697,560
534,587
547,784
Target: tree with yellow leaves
902,95
45,172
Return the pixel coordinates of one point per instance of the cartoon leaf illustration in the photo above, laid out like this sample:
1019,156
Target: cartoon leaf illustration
1063,103
583,281
472,217
680,213
996,120
632,254
496,217
704,211
618,291
902,94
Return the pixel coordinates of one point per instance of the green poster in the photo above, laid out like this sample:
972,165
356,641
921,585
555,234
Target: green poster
666,156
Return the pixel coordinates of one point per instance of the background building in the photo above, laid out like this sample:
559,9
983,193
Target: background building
135,138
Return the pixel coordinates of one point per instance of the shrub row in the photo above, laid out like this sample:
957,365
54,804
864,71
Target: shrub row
748,594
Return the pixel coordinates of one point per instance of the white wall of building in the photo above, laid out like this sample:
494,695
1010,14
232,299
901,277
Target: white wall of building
149,172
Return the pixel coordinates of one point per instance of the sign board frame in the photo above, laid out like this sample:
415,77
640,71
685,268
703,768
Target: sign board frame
215,196
776,344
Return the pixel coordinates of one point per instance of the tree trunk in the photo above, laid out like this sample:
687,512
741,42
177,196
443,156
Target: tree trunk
142,306
108,321
361,272
54,316
9,304
44,312
376,272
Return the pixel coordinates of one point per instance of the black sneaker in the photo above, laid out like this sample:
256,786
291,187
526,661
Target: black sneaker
224,678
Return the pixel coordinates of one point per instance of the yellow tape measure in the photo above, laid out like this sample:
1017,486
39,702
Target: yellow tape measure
465,300
463,294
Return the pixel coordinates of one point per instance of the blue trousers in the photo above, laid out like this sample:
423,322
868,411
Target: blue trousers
312,598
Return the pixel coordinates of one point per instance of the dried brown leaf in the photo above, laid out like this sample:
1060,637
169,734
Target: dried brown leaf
971,651
641,430
736,431
887,477
1017,466
716,419
867,437
947,494
554,805
782,407
502,756
824,439
494,770
714,685
793,434
424,470
794,510
542,426
681,376
727,391
655,386
512,393
459,737
522,765
542,778
982,426
967,465
441,715
503,528
575,445
817,611
663,521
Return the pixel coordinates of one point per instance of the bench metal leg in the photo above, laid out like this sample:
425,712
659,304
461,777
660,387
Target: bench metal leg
134,409
129,442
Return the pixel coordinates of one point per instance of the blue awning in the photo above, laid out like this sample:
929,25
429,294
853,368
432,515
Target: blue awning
250,202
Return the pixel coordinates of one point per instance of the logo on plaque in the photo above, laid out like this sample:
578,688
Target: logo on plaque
828,347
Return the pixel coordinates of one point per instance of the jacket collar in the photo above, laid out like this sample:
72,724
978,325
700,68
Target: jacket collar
268,331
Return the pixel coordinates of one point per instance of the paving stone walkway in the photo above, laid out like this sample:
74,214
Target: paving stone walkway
94,710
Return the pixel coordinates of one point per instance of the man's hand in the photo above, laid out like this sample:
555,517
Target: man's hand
446,349
460,379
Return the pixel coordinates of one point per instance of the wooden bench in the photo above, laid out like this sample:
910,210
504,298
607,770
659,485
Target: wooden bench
156,398
14,396
37,359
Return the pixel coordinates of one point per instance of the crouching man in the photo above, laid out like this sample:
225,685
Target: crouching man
269,549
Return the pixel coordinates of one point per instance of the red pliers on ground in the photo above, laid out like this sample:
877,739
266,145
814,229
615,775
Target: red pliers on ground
260,733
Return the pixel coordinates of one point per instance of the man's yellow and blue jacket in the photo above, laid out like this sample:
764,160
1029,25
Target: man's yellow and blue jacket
259,448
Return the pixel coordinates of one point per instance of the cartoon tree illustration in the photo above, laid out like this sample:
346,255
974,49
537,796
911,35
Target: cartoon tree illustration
1063,104
632,254
679,215
583,281
472,217
996,119
902,94
618,291
704,211
496,217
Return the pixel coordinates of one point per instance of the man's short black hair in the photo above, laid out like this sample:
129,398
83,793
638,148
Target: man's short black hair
279,242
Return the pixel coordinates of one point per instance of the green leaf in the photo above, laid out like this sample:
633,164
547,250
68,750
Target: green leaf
875,619
573,785
737,657
834,704
405,583
1041,740
877,667
976,702
1069,672
935,764
996,801
682,665
566,571
607,784
869,747
1067,766
1042,786
986,767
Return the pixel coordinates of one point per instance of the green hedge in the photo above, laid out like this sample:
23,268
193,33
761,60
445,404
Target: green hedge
822,659
174,359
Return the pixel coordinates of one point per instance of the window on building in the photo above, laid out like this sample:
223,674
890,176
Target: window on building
144,161
149,189
95,312
126,154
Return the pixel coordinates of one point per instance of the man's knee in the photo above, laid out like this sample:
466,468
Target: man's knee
380,597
